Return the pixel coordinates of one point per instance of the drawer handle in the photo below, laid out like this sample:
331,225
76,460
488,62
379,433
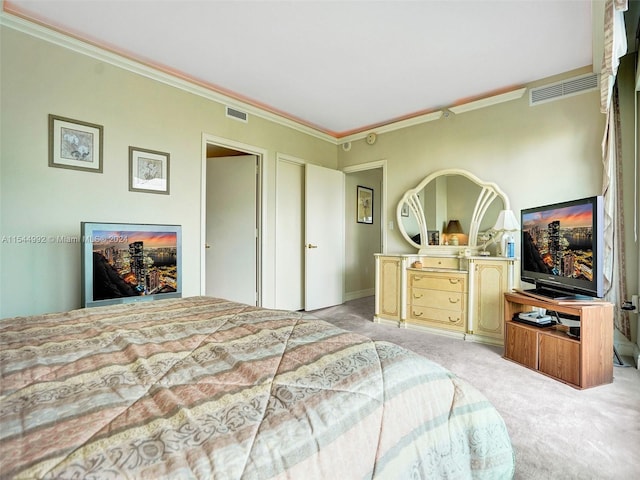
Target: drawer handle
454,281
415,314
415,295
453,300
454,320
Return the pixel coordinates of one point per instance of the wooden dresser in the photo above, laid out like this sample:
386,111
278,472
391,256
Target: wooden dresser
437,298
452,295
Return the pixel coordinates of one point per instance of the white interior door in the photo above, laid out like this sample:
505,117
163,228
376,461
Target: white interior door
289,287
324,237
231,228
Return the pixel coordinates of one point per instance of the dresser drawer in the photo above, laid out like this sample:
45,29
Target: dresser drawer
435,317
437,299
450,282
444,262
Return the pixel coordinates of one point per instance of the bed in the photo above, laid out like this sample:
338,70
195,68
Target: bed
207,388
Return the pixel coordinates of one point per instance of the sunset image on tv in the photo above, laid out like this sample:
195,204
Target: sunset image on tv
559,241
132,263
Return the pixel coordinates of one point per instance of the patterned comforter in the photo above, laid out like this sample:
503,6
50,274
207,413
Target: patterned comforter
207,388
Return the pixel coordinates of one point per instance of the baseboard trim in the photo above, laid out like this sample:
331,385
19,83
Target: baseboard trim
369,292
436,331
496,342
386,321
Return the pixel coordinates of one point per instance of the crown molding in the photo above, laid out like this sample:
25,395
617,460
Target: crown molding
488,101
58,38
430,117
210,93
390,127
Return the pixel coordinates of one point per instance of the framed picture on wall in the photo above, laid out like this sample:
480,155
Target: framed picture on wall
364,204
148,171
75,144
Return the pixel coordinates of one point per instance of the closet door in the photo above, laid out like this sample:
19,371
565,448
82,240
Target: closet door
289,262
324,237
309,236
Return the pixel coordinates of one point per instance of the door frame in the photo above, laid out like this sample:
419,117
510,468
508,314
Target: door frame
261,155
383,197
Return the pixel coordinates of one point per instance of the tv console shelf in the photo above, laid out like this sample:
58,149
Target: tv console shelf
579,362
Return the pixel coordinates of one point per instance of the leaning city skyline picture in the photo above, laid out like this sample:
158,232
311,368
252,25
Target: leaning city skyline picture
133,263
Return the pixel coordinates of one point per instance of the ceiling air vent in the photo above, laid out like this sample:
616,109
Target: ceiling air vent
237,114
563,89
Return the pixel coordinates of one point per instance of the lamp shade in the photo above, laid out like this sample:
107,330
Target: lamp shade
506,222
454,227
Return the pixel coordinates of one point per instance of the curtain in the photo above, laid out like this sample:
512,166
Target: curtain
615,283
615,46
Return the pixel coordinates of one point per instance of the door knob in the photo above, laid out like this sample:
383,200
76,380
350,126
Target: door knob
312,246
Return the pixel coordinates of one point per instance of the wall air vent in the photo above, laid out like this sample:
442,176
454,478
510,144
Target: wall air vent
563,89
237,114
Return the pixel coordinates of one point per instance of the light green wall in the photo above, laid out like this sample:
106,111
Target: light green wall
362,241
39,78
537,155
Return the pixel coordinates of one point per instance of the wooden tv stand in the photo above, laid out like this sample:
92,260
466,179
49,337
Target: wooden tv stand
580,362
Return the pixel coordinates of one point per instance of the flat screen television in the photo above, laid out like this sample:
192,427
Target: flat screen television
126,262
562,248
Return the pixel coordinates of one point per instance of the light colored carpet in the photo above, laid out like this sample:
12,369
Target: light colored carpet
557,432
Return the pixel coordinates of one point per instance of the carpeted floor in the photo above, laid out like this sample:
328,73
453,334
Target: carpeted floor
557,432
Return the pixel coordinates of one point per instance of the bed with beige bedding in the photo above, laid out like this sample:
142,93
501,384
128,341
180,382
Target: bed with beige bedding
207,388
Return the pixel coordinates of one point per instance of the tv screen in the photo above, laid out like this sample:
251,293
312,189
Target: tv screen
125,262
562,248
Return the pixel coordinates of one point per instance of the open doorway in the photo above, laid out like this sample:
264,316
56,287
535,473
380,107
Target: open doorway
231,221
363,240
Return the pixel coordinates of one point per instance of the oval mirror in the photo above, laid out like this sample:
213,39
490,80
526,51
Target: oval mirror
447,210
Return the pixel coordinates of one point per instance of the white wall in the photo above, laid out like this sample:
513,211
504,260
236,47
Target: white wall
39,78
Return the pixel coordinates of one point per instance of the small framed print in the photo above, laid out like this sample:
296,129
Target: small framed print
364,205
148,171
405,210
75,144
434,237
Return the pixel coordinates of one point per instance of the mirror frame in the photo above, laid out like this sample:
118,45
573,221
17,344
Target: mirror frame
489,192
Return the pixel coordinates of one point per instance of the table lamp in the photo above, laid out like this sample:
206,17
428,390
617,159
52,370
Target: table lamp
505,225
453,229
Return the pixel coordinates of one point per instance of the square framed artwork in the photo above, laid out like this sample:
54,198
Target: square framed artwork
75,144
148,171
405,210
364,205
434,237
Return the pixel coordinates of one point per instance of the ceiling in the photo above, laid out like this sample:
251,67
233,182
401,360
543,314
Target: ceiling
339,67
